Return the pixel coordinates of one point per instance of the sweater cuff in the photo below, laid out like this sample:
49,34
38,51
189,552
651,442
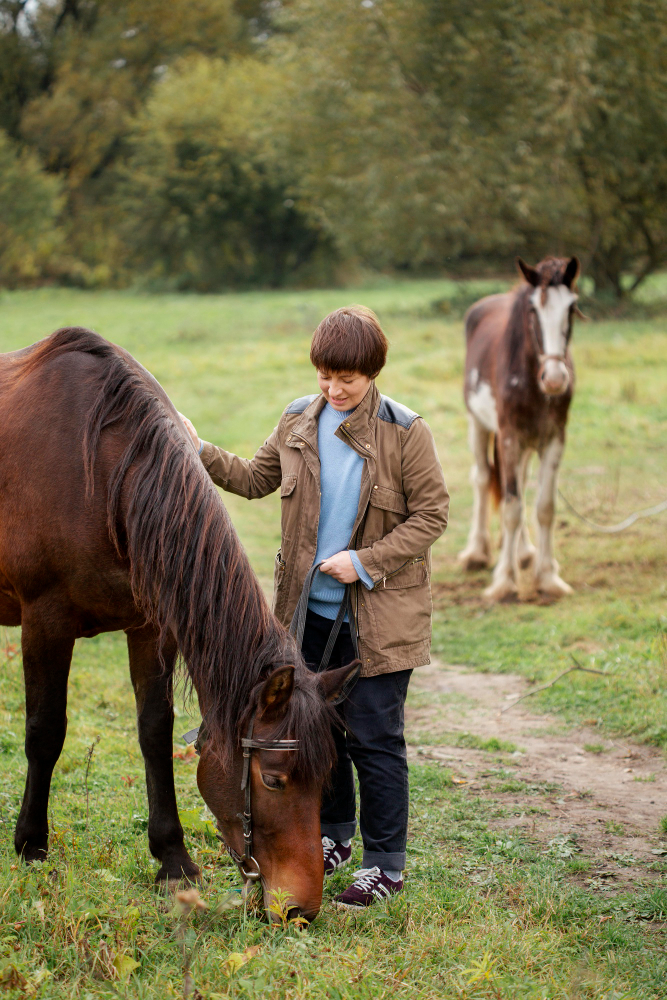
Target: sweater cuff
361,572
206,452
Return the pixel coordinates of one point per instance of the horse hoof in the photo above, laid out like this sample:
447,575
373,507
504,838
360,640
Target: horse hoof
173,879
473,559
553,586
30,855
504,590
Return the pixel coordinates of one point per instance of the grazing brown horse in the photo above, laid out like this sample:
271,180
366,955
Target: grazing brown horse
109,521
519,381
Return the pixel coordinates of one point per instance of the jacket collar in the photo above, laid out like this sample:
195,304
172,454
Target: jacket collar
359,427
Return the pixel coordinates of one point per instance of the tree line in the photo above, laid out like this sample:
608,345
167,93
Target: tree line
210,143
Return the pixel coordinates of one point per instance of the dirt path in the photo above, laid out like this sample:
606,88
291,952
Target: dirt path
609,798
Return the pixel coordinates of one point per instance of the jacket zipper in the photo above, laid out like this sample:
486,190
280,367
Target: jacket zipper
408,562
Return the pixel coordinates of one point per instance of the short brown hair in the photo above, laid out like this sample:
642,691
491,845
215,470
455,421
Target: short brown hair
350,340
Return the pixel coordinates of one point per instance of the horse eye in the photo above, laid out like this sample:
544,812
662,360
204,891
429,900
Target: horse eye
273,782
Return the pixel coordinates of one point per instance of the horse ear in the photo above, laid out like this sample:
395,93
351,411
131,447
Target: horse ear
275,694
529,273
571,272
336,685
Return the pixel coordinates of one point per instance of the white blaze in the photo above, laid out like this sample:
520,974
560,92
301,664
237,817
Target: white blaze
553,317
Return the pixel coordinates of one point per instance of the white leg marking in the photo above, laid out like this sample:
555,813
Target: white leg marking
504,576
547,579
477,553
525,550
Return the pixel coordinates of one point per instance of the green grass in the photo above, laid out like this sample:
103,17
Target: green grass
486,913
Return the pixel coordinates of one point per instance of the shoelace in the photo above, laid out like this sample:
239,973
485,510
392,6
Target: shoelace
327,845
365,878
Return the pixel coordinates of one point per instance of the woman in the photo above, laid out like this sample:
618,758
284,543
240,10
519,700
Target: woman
363,494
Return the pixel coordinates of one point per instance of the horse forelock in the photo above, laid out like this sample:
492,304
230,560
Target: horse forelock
552,271
188,571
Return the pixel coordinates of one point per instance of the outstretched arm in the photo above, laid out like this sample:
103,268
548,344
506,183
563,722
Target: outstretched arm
248,477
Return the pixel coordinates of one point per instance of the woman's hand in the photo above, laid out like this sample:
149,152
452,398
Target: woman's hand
340,567
190,428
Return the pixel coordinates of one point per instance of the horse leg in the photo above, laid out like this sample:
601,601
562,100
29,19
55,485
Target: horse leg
477,553
525,550
503,584
547,579
152,679
47,653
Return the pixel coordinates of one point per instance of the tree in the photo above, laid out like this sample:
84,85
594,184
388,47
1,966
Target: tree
30,242
438,128
208,200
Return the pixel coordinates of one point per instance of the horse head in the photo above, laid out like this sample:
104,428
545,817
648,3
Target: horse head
552,306
266,799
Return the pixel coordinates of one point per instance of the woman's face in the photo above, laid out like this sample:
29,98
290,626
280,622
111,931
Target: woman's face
344,390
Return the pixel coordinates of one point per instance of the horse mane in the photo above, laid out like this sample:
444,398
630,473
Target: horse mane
189,573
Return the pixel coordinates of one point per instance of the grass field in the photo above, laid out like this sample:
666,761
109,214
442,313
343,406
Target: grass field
484,915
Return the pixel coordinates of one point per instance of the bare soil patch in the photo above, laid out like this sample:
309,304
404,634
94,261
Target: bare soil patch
607,796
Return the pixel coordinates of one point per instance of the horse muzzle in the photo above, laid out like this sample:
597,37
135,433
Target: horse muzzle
553,377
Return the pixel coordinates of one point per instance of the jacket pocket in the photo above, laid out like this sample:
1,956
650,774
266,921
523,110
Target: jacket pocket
287,485
387,499
288,513
413,574
387,509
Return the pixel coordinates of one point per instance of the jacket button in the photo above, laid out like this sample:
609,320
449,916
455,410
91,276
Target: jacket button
375,487
347,424
368,446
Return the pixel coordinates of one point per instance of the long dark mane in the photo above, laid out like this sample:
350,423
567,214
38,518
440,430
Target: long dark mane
188,571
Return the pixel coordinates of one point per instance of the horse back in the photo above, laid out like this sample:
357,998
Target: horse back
53,533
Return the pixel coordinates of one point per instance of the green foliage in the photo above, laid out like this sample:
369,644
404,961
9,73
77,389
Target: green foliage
207,194
29,205
233,143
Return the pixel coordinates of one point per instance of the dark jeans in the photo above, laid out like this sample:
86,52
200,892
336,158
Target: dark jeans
373,719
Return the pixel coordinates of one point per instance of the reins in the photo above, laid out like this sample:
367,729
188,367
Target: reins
247,863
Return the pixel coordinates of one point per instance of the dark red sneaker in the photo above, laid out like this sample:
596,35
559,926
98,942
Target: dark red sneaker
370,884
335,855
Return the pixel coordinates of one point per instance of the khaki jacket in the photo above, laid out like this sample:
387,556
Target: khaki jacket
403,507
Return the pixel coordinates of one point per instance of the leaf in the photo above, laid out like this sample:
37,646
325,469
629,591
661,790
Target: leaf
124,965
39,906
193,823
106,875
235,960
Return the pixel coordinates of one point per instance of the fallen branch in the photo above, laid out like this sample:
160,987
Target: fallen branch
570,670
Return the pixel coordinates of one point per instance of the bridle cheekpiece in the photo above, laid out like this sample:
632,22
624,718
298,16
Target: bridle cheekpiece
247,864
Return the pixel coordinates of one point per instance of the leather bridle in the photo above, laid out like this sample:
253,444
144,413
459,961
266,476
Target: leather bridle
247,863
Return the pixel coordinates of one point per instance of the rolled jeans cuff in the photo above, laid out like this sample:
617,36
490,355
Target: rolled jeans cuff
340,831
386,862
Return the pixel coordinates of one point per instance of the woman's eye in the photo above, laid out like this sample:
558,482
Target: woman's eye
273,781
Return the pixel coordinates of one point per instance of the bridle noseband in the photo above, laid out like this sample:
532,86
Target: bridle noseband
247,864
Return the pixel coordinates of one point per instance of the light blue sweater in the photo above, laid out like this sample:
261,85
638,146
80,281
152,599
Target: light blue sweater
340,485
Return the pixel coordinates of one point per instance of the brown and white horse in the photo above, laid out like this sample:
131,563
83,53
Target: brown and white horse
519,381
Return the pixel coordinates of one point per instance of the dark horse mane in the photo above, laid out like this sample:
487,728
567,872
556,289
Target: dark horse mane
188,570
551,271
